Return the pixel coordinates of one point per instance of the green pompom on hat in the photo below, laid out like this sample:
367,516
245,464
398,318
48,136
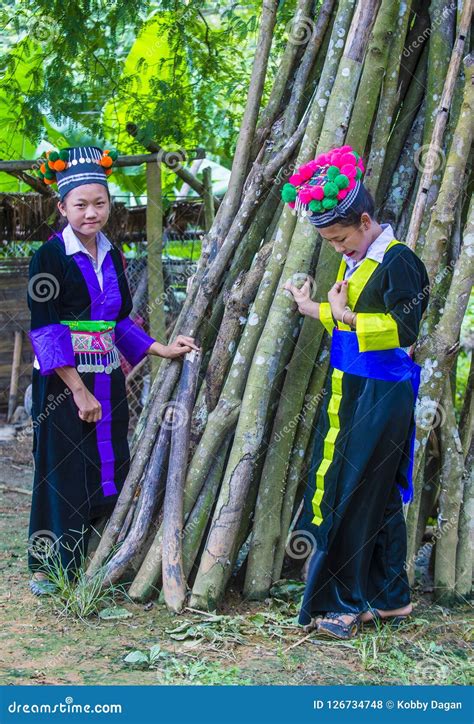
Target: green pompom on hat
324,188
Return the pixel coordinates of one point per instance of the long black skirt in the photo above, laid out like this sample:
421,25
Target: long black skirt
357,526
80,467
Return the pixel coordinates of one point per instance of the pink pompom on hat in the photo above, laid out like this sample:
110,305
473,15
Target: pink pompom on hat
323,189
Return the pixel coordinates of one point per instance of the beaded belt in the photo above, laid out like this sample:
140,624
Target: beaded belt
94,343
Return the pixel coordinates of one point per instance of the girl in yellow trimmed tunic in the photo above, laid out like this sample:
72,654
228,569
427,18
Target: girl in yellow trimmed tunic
361,468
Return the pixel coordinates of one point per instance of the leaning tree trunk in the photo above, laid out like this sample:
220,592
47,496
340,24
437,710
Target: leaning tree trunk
234,490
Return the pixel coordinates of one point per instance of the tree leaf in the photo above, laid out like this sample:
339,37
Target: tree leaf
114,612
136,657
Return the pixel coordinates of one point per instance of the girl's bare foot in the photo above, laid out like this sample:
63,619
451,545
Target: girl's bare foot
404,611
313,625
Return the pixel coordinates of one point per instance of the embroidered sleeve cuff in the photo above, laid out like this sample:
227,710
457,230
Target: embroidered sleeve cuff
325,316
132,341
53,347
376,331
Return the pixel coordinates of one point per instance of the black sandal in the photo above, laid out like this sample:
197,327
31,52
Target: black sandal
340,630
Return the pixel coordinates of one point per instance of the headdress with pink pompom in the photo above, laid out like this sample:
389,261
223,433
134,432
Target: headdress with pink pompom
324,188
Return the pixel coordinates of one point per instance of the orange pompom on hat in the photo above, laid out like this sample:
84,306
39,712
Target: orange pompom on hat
76,166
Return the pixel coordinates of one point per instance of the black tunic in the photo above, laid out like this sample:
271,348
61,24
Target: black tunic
361,457
80,467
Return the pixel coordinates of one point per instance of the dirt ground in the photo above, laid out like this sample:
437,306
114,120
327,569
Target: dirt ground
249,643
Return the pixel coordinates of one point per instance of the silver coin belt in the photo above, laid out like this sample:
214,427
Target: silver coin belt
95,360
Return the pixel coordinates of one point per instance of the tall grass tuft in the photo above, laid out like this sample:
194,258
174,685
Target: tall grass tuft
76,594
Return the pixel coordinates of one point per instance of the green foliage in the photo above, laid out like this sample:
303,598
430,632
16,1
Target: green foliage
178,70
173,670
464,357
22,67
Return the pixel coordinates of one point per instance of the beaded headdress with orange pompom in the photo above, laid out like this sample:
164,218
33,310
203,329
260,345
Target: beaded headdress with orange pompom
72,167
325,188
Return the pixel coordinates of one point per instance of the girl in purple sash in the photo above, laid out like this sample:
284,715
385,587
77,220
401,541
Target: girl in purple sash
80,303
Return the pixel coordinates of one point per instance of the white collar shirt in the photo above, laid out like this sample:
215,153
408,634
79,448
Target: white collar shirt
375,251
73,245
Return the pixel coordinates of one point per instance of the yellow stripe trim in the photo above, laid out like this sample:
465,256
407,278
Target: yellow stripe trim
328,444
325,316
358,280
376,331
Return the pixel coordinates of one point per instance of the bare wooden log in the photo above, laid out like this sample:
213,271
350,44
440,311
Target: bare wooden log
149,501
403,177
154,233
223,418
401,126
12,489
302,20
174,582
240,164
464,552
373,73
241,296
440,47
466,419
435,251
450,499
208,198
199,517
35,183
314,32
415,43
284,460
440,123
389,99
436,353
15,373
220,551
171,159
121,162
139,461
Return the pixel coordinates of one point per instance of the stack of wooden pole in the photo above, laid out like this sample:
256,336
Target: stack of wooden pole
222,449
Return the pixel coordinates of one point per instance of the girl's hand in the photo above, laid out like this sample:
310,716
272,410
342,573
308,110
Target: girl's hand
180,346
90,409
337,297
302,297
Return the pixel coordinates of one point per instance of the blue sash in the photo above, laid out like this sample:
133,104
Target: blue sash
392,365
